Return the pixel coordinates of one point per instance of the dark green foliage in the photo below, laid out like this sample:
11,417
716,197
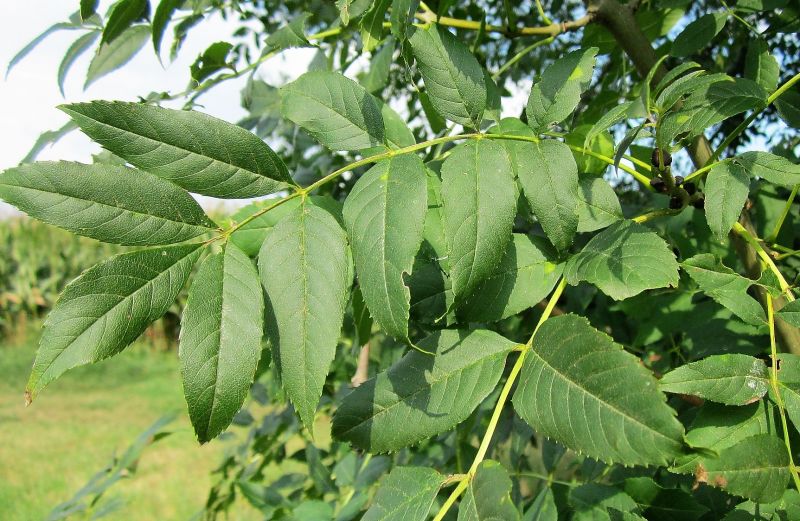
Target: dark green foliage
422,258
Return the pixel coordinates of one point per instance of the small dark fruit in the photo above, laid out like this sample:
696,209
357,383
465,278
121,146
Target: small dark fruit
699,204
675,203
658,184
678,180
690,187
667,158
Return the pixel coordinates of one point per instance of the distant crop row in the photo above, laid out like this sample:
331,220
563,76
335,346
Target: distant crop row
38,260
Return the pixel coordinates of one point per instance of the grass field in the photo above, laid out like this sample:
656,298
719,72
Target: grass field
50,449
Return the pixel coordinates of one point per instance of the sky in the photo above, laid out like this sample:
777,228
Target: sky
29,95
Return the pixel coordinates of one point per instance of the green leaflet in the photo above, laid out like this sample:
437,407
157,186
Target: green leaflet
708,106
599,206
30,46
788,106
787,507
200,153
161,19
488,497
602,144
215,58
556,95
623,260
385,215
88,8
480,202
549,178
774,169
78,47
423,395
674,74
731,379
112,56
519,281
431,291
663,504
304,265
607,120
454,79
290,35
755,468
593,501
402,17
791,313
543,507
377,76
122,14
334,109
220,343
725,286
109,203
514,127
789,381
726,191
698,34
717,427
371,24
108,307
686,86
761,66
397,133
583,390
406,494
250,237
47,138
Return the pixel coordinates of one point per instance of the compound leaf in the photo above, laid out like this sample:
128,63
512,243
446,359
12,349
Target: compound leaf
774,169
725,286
334,109
385,216
105,202
549,178
422,394
406,494
454,79
488,497
731,379
559,91
727,187
198,152
220,342
623,260
305,268
583,390
480,202
108,307
524,276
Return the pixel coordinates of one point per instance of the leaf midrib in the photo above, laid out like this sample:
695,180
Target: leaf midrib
605,403
106,205
107,312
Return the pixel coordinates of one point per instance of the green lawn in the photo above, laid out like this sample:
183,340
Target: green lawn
50,449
